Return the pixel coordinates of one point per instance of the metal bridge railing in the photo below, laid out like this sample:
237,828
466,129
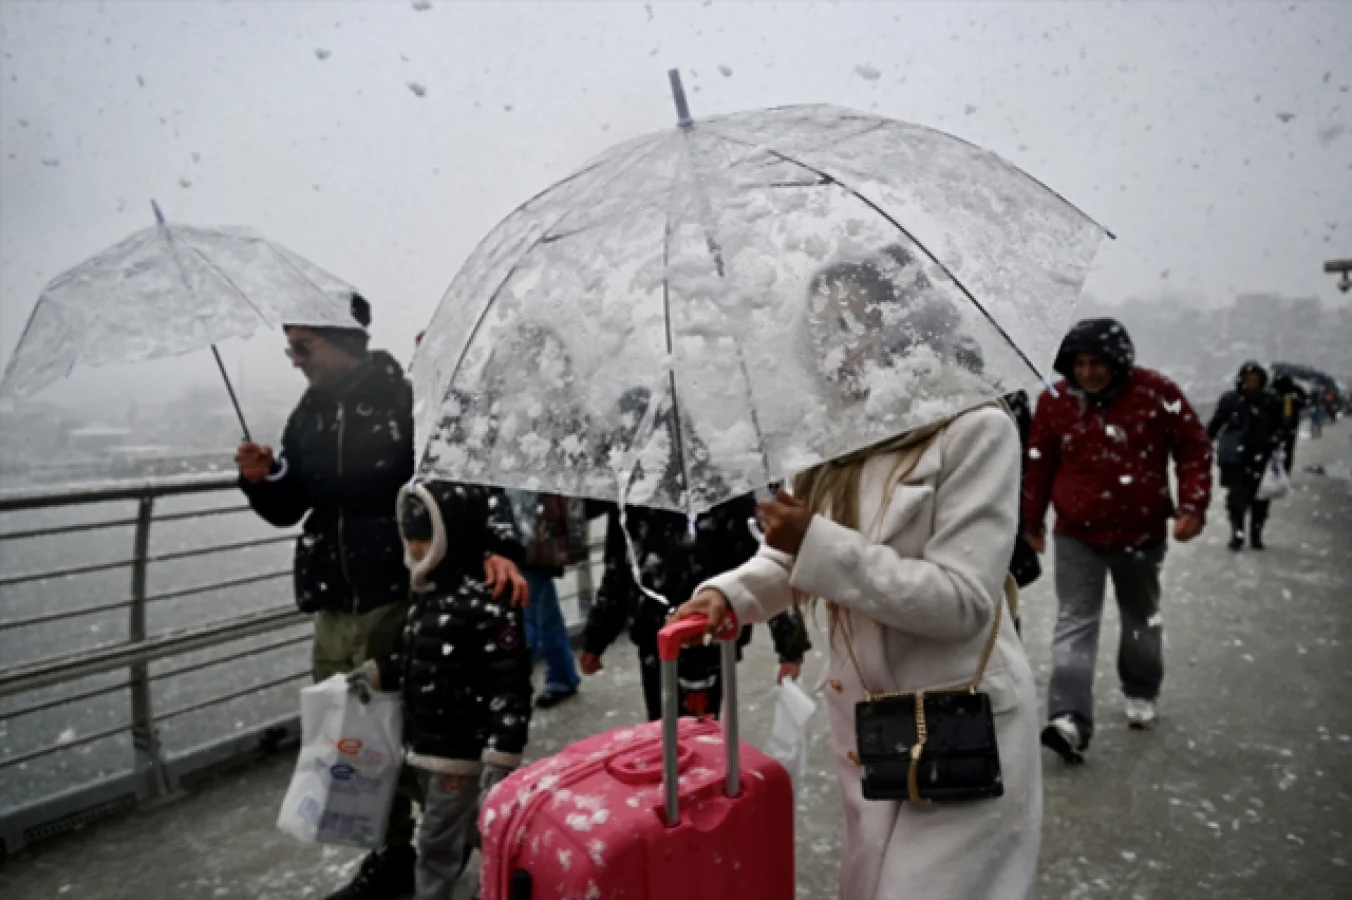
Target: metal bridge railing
153,772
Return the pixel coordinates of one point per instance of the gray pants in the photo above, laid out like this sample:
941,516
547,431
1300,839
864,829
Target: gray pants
448,826
1081,578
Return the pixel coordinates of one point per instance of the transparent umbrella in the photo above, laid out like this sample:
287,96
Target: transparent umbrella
697,313
166,291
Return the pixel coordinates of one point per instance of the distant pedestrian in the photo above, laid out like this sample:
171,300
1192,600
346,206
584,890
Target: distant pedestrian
554,533
1099,453
1317,416
1294,401
1248,428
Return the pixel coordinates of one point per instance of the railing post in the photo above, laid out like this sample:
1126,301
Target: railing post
145,739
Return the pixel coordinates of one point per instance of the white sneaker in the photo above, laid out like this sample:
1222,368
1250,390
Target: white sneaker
1141,714
1063,736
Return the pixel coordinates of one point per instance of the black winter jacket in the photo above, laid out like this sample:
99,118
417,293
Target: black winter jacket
1250,428
1023,563
345,454
461,662
673,566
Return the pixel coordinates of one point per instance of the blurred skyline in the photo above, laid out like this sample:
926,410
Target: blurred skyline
383,140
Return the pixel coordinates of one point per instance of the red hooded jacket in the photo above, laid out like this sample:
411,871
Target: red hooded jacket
1104,464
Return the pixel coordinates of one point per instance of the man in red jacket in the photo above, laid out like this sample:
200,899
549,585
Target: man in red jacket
1099,452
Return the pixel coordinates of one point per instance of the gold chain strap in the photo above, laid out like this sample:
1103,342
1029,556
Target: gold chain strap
1011,590
921,736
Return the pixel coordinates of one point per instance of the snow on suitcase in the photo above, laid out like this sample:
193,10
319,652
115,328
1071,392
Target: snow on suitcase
676,808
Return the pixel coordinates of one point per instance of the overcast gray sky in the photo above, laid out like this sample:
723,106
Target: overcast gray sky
1212,138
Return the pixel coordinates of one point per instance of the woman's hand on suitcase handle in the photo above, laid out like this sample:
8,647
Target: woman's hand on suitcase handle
500,573
790,670
710,603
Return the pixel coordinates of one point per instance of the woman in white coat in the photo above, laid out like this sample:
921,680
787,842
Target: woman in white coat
908,544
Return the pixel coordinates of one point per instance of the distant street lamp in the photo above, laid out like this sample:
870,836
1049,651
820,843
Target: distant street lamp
1345,267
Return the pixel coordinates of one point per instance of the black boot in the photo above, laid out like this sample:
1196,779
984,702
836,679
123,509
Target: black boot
1237,540
386,874
1256,537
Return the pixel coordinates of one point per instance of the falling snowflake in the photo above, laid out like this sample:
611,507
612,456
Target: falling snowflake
184,183
1286,117
417,89
867,72
725,70
422,5
51,162
1329,133
322,54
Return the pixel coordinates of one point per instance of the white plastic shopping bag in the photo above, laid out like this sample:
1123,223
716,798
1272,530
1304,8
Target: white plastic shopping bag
788,734
348,769
1275,483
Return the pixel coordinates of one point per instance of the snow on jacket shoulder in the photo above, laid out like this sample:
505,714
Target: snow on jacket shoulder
1105,466
345,454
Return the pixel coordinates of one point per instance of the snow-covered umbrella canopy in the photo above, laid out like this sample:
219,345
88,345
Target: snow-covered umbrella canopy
700,312
166,291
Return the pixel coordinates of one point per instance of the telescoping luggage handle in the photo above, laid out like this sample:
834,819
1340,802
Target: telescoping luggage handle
670,640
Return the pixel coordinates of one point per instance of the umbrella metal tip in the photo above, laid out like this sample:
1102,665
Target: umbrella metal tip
678,95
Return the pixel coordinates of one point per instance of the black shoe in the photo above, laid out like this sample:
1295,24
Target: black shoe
551,699
1256,541
1237,542
386,874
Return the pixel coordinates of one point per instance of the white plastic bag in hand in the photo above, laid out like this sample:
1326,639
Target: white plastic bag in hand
788,734
350,756
1275,483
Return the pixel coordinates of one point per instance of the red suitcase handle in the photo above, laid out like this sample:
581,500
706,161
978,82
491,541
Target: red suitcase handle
670,640
689,631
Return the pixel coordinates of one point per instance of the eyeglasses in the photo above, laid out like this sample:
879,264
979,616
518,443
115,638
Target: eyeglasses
298,351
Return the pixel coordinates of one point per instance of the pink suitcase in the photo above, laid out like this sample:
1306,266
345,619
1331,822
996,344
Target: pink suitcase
605,819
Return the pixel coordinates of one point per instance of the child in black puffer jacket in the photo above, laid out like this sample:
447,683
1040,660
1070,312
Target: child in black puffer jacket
462,667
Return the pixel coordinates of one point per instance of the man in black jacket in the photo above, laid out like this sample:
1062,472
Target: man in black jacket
1249,424
347,449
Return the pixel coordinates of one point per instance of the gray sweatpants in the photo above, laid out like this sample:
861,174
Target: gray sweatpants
448,823
1081,578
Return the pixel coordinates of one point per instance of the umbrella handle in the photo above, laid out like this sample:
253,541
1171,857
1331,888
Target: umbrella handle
231,389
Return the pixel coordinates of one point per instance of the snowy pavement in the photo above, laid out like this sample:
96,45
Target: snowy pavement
1243,791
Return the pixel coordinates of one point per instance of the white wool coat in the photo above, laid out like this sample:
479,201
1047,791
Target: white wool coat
920,595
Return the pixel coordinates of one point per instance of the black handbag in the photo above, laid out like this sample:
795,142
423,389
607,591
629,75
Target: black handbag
931,745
